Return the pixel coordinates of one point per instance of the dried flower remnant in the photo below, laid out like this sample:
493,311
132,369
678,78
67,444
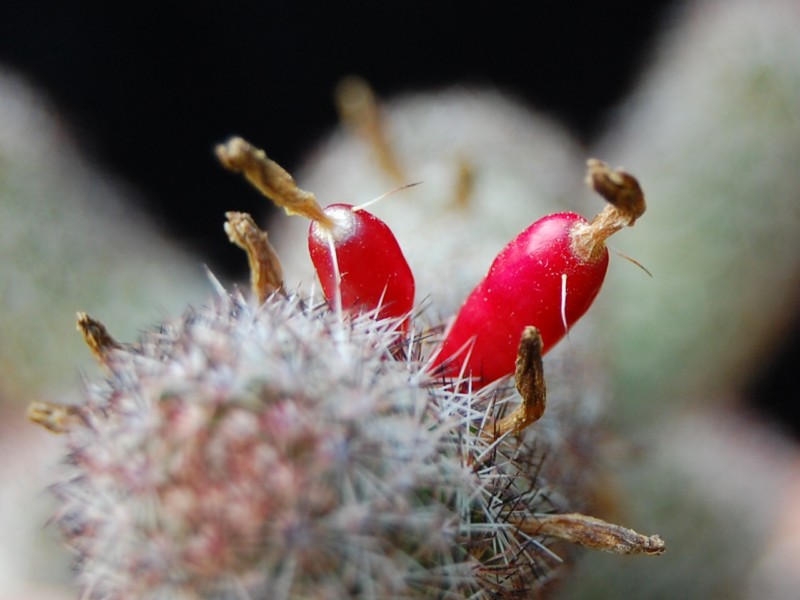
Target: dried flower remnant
266,274
96,337
593,533
58,418
270,179
529,380
359,108
626,204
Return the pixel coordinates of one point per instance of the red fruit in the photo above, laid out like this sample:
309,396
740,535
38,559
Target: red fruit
546,277
372,271
538,279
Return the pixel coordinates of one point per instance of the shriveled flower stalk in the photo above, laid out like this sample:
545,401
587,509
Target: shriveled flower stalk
273,448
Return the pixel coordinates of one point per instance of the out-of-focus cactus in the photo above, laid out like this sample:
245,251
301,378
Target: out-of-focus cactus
488,166
714,130
68,242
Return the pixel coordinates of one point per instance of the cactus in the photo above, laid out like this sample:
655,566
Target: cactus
273,447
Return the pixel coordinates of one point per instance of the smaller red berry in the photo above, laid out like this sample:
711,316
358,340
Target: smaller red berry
357,258
359,261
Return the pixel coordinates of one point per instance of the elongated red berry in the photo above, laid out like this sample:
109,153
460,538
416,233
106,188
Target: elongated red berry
536,280
370,270
355,254
548,276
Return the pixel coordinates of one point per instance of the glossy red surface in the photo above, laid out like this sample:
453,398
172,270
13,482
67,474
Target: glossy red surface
524,286
373,271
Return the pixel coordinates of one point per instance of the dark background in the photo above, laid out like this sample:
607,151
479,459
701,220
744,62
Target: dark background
148,90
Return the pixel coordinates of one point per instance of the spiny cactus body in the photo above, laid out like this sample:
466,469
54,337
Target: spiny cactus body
282,452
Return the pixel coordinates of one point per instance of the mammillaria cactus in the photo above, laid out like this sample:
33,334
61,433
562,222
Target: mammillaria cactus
274,448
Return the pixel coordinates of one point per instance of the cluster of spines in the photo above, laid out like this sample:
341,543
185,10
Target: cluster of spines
281,448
